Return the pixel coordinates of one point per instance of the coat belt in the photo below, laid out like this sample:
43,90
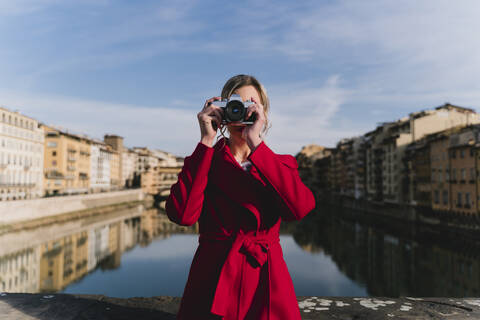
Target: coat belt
250,248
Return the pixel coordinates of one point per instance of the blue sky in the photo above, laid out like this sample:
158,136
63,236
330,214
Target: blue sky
143,69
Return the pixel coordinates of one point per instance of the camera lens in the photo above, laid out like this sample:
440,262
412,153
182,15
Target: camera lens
235,110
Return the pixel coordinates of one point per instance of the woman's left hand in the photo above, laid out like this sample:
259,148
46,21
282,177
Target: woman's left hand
252,132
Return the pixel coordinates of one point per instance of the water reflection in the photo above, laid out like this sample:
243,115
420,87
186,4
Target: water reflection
394,259
49,258
139,252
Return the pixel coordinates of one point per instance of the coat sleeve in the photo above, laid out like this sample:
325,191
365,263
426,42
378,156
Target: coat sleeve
185,202
295,199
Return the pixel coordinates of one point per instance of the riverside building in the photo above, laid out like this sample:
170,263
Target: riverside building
67,162
387,144
21,156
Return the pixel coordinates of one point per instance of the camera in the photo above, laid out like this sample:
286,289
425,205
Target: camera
235,110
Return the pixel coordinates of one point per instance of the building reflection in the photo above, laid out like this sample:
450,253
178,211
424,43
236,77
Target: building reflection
391,259
49,258
387,258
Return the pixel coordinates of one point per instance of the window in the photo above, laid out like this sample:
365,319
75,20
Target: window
433,175
54,162
472,173
453,153
445,197
440,175
463,173
436,196
51,144
459,199
447,174
54,153
472,152
462,153
454,174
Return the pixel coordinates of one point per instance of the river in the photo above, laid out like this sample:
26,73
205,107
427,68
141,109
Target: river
139,252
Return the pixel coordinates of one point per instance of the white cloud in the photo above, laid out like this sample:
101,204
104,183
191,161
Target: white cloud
299,115
169,129
424,47
390,57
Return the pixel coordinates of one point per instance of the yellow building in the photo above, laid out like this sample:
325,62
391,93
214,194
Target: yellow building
63,261
66,162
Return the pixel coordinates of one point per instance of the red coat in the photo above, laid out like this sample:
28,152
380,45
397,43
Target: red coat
238,270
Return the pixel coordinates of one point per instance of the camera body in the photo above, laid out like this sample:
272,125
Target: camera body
235,110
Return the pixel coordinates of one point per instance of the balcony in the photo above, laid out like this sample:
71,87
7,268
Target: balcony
71,159
71,168
462,181
54,175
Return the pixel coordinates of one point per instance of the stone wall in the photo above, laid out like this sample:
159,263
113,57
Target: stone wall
24,210
65,306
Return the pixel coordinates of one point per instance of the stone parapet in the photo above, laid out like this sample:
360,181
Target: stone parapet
77,306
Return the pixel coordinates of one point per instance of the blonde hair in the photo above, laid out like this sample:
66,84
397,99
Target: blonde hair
243,80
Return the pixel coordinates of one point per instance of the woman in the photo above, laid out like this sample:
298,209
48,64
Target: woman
239,190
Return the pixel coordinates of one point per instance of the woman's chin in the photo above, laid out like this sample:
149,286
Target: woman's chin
237,131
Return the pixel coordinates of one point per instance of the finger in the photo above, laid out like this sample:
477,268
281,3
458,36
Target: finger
215,118
209,101
251,109
213,109
255,101
219,115
209,123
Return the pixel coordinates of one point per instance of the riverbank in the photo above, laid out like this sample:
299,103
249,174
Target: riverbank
65,306
25,214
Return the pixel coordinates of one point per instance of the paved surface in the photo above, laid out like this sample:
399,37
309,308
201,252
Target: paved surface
65,306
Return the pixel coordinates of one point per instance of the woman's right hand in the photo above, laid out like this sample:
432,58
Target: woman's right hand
209,119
